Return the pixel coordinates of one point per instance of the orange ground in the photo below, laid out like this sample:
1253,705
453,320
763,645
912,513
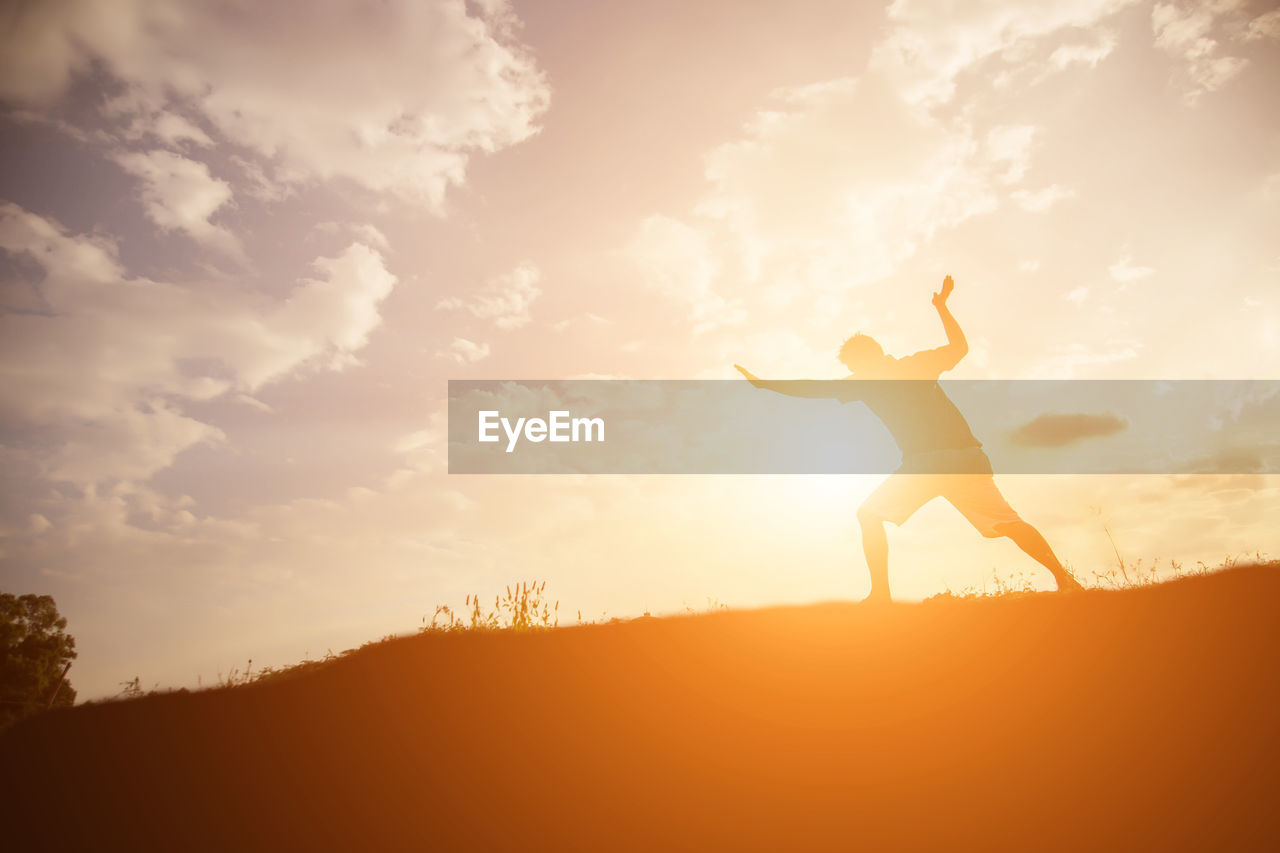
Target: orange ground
1141,719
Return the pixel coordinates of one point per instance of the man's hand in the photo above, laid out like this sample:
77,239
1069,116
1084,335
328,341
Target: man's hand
940,298
751,377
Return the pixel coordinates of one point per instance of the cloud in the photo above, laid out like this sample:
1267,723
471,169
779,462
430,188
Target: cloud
102,370
1238,460
393,96
1041,200
675,261
1266,25
1124,270
1057,430
785,352
1185,32
1072,357
328,317
929,46
463,351
588,319
363,232
1078,295
1010,146
829,188
838,184
131,443
180,194
1089,54
506,299
422,451
811,196
173,130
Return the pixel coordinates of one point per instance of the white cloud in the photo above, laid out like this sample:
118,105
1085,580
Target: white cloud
1184,31
809,203
1084,53
506,299
831,188
1124,270
102,372
131,442
394,96
847,209
1266,25
1084,49
589,319
180,194
1039,201
1070,359
1010,146
783,353
674,260
329,317
930,45
423,451
372,236
463,351
174,129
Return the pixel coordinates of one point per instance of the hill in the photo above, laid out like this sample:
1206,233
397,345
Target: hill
1132,719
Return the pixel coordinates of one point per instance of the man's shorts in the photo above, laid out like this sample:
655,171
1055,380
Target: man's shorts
967,483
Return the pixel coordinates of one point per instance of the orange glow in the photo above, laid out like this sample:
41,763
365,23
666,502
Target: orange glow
243,253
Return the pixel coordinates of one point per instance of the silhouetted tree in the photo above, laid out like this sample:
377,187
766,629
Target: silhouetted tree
34,649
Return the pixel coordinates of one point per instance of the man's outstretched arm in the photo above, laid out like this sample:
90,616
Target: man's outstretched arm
813,388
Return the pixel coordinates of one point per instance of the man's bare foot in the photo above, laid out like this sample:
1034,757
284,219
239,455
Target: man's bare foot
878,598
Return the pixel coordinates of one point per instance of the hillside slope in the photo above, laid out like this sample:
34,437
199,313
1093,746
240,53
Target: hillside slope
1138,719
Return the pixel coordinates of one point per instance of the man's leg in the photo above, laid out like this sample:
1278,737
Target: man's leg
1034,545
875,544
978,498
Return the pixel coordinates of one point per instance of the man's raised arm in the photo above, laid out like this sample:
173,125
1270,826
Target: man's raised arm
813,388
943,358
955,337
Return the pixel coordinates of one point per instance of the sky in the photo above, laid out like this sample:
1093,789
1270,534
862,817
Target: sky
243,248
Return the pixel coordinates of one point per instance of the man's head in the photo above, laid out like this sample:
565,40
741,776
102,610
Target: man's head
860,353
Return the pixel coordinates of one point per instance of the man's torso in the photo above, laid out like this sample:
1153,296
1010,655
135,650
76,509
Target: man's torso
916,411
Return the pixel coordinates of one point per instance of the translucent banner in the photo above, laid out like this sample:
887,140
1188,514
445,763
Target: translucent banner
863,426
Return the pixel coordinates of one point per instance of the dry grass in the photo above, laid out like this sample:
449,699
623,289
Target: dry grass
526,607
523,609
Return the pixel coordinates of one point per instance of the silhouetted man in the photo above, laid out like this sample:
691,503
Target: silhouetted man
940,456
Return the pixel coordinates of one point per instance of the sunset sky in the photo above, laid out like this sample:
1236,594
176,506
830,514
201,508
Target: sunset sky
244,246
